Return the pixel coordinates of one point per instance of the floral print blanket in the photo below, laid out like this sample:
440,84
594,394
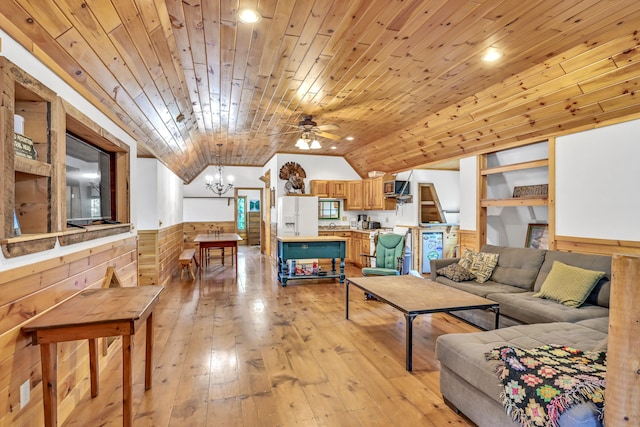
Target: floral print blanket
540,383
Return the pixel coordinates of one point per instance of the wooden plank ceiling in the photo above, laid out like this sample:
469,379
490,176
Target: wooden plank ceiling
403,77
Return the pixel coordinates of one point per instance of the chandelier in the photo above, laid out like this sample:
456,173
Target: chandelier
218,186
308,141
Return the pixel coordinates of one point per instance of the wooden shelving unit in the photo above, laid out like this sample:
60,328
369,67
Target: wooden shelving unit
485,202
34,189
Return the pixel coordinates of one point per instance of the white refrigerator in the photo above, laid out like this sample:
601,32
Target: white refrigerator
297,216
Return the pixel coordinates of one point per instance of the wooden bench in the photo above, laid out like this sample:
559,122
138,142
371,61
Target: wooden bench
186,257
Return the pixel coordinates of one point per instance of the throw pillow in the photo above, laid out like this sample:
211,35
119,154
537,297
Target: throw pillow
483,265
467,258
456,272
569,285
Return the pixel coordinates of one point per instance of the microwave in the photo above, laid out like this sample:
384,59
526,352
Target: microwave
393,188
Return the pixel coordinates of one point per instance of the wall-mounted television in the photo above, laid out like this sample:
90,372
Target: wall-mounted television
89,177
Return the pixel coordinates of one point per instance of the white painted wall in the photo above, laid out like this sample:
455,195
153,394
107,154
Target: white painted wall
597,177
158,197
25,60
468,191
447,185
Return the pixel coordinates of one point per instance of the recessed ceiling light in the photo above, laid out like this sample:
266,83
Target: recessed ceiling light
334,147
249,16
492,55
349,138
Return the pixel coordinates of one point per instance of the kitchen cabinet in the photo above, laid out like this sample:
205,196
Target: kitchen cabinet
373,194
330,189
354,200
361,244
319,188
338,189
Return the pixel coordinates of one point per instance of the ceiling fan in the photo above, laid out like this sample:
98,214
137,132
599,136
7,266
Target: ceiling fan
309,129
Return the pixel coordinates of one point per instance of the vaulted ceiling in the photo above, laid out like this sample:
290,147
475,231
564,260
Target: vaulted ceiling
404,78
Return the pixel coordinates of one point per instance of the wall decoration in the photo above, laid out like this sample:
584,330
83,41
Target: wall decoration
254,205
531,191
293,173
537,236
273,197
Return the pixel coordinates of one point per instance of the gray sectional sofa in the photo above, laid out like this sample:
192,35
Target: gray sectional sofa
467,380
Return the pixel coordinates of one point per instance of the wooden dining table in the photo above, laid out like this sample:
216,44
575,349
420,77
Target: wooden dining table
218,240
93,314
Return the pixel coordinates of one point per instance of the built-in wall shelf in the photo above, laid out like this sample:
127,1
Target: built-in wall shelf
523,201
90,232
542,163
28,244
22,165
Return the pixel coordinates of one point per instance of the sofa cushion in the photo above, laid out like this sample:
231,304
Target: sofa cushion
516,266
569,285
527,308
483,265
600,294
456,272
476,288
464,353
598,323
467,258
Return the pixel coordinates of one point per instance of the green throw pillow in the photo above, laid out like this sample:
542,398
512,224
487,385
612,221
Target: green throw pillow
483,265
456,272
569,285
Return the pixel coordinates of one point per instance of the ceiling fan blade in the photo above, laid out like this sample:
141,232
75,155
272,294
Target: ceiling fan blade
328,127
329,136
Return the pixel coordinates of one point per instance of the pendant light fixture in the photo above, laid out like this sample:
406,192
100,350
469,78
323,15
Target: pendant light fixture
216,184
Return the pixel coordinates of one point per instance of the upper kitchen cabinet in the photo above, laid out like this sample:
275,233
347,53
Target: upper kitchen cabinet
373,194
320,188
329,189
354,199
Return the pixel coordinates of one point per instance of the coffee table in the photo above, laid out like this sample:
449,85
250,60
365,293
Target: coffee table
414,296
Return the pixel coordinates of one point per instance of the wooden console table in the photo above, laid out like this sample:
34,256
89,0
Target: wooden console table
292,248
93,314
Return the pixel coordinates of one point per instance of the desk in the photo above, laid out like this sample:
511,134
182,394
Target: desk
310,247
414,296
223,240
92,314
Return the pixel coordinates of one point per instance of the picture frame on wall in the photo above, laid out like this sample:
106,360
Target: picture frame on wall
537,236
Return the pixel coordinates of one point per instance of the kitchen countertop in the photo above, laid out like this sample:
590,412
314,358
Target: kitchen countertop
347,228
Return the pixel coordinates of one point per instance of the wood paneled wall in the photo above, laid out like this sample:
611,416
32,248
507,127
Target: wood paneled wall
26,292
469,239
158,252
192,229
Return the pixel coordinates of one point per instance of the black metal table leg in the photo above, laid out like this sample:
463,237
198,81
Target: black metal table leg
346,314
409,340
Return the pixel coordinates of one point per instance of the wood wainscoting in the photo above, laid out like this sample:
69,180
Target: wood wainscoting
467,239
158,253
28,291
596,246
192,229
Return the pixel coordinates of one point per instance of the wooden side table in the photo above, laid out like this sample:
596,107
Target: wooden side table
93,314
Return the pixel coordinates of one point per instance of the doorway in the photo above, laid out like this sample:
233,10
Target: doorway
249,215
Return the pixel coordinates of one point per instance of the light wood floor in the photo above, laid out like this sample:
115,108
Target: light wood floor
251,353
